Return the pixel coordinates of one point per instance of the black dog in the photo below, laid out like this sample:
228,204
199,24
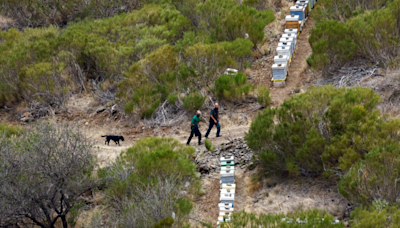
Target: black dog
114,138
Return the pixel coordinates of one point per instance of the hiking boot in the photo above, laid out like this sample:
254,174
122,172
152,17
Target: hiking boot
187,144
200,143
219,136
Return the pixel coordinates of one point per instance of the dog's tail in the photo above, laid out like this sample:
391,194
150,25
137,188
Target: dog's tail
104,136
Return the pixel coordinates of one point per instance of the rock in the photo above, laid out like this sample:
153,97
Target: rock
27,117
198,174
100,110
202,191
187,184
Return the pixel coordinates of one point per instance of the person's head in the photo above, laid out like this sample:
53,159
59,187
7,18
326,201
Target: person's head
216,105
198,113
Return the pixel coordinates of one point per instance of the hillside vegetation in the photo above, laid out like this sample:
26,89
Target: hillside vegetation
139,57
347,30
338,134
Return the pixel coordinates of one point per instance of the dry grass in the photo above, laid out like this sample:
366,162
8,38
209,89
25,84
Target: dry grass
5,22
255,184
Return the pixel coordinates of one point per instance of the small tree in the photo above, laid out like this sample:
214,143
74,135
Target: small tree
42,174
323,130
144,186
374,178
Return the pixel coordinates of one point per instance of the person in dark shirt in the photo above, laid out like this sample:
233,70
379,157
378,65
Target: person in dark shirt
214,120
194,125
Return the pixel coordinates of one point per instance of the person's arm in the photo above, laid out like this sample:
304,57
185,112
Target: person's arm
191,122
212,116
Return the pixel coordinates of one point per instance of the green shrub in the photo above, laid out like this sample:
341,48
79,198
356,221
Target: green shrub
129,108
9,130
310,218
43,13
193,101
149,111
144,184
322,130
374,217
332,45
232,87
147,53
209,145
348,28
263,96
374,177
172,98
164,223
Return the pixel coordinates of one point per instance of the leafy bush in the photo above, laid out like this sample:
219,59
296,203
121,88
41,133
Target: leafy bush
323,130
142,56
263,96
374,177
349,28
164,223
172,98
332,45
9,130
193,101
310,218
43,13
209,145
343,10
376,217
232,87
145,183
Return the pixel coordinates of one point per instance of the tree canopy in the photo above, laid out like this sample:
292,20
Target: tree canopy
42,173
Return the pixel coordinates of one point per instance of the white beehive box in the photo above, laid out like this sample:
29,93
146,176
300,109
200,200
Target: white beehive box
292,17
227,163
227,173
284,51
288,45
288,39
290,35
231,71
226,209
291,31
228,186
279,72
283,59
227,191
225,205
227,196
224,168
229,158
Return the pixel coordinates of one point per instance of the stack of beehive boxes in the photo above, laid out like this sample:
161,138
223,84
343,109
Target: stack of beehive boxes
227,189
288,41
285,51
300,11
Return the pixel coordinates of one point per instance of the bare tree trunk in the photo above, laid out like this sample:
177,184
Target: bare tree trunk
64,221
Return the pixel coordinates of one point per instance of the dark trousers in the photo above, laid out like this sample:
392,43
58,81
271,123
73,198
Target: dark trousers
195,131
211,126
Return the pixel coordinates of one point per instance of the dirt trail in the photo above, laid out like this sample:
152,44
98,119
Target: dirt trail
296,78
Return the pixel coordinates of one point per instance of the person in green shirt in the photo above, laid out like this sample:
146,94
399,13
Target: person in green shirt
194,125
